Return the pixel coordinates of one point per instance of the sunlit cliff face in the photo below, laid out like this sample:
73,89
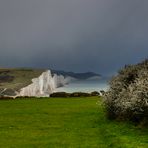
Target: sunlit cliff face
44,85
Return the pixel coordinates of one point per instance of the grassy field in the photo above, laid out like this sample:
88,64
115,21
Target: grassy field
22,77
64,123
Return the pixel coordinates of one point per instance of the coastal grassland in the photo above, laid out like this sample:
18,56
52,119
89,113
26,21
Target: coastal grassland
64,123
21,77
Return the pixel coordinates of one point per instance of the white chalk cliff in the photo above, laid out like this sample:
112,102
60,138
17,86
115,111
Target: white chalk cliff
44,85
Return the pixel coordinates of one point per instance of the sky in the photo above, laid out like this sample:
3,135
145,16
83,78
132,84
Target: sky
73,35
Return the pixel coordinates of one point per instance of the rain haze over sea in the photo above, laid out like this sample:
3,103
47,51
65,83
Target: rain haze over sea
85,86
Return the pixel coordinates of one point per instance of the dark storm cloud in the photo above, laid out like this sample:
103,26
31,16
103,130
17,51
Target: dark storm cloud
77,35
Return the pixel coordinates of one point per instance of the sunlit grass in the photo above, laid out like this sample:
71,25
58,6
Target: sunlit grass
64,123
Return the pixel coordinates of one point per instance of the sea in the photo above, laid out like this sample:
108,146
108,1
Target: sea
85,86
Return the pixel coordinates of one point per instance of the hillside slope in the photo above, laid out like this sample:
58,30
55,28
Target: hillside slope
80,76
15,79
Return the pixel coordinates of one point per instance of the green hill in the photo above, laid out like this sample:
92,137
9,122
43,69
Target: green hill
79,76
15,78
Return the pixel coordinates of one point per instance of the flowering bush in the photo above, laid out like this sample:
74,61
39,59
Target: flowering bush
127,98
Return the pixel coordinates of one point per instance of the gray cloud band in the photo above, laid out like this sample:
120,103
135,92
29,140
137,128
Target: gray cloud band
79,35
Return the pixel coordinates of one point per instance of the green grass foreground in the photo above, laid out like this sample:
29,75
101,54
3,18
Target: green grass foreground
64,123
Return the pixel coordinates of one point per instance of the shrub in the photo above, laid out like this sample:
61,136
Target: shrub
75,94
80,94
6,98
60,94
102,92
127,98
95,93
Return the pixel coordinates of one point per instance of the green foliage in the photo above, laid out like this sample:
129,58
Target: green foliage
60,94
80,94
127,98
74,94
95,93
